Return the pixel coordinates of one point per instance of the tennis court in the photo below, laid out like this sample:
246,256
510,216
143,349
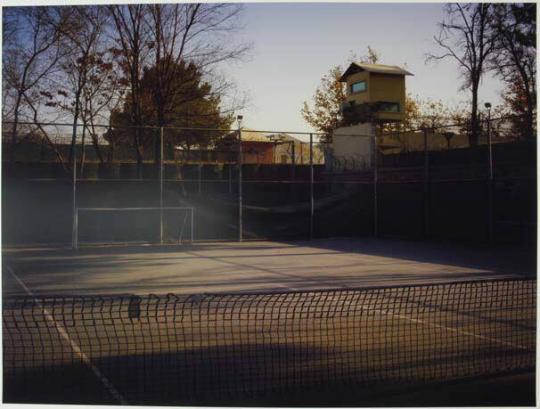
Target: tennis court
322,321
255,265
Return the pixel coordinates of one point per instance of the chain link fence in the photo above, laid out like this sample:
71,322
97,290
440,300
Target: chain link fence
222,184
448,184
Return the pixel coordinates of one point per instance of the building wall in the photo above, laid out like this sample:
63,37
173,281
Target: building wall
283,153
352,146
389,88
414,142
257,152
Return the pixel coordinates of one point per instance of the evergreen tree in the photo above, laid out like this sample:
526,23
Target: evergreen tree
190,103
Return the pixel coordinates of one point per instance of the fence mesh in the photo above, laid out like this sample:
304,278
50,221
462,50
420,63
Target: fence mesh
430,183
221,348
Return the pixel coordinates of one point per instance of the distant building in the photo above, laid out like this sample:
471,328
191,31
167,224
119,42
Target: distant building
374,91
289,149
256,147
266,149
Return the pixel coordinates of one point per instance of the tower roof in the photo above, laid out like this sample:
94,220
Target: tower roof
375,68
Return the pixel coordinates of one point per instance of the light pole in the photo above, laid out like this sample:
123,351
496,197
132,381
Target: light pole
239,119
487,105
490,152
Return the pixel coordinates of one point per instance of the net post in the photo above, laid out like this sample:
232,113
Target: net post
161,185
311,193
74,227
240,215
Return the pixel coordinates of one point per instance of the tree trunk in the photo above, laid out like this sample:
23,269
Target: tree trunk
529,116
44,133
95,143
136,116
42,150
111,152
138,153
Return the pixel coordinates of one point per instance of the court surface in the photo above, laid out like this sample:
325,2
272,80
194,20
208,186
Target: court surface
253,266
131,349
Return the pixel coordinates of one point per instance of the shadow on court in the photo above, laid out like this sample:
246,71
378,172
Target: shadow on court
163,379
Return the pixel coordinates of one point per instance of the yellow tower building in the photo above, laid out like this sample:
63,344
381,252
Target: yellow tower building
375,93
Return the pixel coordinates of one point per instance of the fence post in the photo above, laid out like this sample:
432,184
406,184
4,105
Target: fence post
192,225
293,160
75,220
311,198
375,182
426,201
161,185
240,227
199,177
230,178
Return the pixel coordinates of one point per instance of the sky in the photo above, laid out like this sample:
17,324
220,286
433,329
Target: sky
294,45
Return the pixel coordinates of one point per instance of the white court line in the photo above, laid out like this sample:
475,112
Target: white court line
61,330
431,324
452,329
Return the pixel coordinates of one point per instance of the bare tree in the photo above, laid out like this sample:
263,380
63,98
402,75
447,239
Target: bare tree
514,29
83,60
31,54
465,37
158,40
196,33
34,102
132,41
100,97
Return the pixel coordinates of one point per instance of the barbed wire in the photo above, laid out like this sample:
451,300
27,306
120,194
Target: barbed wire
457,124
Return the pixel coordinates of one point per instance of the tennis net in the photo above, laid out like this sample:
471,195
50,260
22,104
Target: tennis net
219,348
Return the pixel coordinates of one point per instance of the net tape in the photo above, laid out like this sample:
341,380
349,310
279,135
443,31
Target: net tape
213,347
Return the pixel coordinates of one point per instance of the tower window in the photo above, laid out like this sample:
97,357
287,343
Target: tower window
359,86
388,107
